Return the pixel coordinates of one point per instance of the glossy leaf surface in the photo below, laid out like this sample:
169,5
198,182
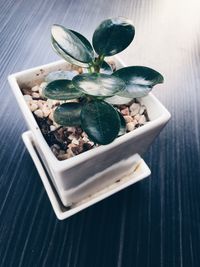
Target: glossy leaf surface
139,80
61,90
61,53
113,36
68,114
100,121
106,68
98,84
71,45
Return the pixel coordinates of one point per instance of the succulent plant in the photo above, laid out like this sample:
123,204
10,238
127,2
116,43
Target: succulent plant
98,89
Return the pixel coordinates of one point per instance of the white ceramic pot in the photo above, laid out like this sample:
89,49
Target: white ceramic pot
81,176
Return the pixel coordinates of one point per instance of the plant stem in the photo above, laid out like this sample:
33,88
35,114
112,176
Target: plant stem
96,64
91,68
99,62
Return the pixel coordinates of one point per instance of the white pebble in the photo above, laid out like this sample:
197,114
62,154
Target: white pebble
71,145
142,109
71,129
134,108
56,146
128,119
71,137
84,134
63,156
130,126
35,88
46,112
55,102
40,91
38,113
142,119
41,87
27,98
125,111
55,149
49,103
85,139
75,141
69,152
56,124
45,105
33,106
35,95
137,117
52,128
43,84
40,104
91,143
112,63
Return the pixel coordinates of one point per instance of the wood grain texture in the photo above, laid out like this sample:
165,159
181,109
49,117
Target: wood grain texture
153,223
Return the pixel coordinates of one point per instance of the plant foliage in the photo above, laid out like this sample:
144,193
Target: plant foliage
98,88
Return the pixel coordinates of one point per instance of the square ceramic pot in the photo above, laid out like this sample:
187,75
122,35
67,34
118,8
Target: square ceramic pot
81,176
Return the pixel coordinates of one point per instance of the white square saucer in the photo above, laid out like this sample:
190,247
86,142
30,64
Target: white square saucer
140,171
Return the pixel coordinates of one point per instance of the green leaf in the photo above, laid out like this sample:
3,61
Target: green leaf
72,46
100,121
122,129
113,36
68,114
61,90
60,75
85,41
61,53
98,84
106,68
139,80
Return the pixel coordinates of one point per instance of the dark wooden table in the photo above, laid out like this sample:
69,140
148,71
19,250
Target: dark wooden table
153,223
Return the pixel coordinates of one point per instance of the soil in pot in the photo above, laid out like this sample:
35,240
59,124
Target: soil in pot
66,142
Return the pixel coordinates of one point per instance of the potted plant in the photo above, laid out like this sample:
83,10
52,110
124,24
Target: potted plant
90,108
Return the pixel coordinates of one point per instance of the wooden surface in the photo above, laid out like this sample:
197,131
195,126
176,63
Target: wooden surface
153,223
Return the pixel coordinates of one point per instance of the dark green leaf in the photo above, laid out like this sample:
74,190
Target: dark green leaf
122,129
85,41
61,53
98,84
100,121
139,80
106,68
72,46
68,114
113,36
61,90
60,75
